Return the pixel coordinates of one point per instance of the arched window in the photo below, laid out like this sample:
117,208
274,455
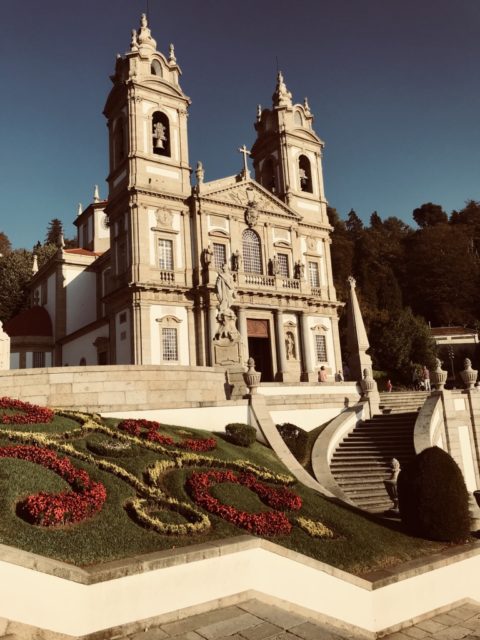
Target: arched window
160,134
156,68
305,174
119,146
252,254
297,119
268,175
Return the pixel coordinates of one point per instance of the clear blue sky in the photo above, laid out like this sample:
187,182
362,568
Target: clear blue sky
394,87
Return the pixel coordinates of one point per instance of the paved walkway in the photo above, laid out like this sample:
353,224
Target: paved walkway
253,620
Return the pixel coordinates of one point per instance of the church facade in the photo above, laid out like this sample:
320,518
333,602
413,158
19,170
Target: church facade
167,273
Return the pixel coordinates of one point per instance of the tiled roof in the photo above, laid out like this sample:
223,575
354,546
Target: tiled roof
32,322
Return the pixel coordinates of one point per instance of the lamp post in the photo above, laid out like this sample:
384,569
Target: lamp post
451,356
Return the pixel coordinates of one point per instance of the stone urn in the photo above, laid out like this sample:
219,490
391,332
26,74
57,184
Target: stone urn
367,383
468,375
252,377
438,376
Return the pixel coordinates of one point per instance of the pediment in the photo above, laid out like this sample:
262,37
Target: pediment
243,193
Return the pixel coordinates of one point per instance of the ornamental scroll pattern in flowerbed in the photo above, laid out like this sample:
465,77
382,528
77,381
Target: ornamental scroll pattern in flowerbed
92,442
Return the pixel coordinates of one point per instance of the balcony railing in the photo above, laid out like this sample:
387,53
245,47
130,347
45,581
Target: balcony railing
166,277
257,280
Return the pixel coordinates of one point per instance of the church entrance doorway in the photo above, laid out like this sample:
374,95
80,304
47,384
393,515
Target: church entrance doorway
259,347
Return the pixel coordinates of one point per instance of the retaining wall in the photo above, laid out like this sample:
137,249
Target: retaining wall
116,387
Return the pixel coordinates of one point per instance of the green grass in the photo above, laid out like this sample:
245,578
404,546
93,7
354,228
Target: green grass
360,544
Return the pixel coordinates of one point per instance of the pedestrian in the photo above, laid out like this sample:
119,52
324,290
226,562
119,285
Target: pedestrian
322,374
426,378
339,376
389,385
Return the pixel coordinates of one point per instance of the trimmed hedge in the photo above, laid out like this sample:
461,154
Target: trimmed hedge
433,498
241,434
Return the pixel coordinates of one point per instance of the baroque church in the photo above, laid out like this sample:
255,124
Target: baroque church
167,273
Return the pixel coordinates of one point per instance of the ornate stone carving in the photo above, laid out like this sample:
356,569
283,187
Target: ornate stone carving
251,214
164,218
391,484
438,376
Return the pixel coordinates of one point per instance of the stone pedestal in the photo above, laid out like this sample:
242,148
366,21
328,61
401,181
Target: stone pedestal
4,349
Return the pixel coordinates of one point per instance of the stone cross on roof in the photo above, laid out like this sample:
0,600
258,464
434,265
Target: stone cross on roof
245,152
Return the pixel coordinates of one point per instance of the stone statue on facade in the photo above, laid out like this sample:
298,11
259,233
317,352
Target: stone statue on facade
391,484
225,287
290,346
275,267
237,261
299,270
207,256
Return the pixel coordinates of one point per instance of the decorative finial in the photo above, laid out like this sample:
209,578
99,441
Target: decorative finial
96,195
80,209
306,106
144,37
259,112
35,264
352,282
61,241
134,41
172,57
282,96
199,172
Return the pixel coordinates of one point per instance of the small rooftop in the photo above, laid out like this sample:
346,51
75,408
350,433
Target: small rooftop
32,322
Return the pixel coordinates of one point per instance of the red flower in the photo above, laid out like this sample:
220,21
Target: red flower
27,413
266,523
48,509
148,430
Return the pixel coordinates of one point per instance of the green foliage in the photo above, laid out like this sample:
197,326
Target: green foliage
54,231
15,272
5,245
241,434
429,214
433,498
398,342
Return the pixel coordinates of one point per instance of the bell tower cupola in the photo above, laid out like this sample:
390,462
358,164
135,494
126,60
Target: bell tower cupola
146,112
287,154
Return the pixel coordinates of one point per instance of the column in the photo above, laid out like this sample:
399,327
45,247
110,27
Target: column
212,325
242,328
192,353
281,355
308,374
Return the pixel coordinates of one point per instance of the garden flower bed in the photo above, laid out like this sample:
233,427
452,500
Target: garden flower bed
137,486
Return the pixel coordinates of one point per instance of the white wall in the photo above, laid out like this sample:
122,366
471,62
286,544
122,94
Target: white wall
14,360
83,347
81,297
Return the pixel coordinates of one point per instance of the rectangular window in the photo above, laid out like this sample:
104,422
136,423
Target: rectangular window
321,348
38,359
165,254
283,269
219,255
314,274
122,257
169,344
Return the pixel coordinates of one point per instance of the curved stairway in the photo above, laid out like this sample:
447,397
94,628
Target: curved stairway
361,462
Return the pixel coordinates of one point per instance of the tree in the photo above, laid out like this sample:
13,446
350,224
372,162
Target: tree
354,225
443,275
54,232
429,214
15,272
342,253
5,245
398,342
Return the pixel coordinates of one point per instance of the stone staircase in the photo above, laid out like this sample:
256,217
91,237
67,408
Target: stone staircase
361,461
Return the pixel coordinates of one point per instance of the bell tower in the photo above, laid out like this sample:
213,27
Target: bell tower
147,120
287,155
148,191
